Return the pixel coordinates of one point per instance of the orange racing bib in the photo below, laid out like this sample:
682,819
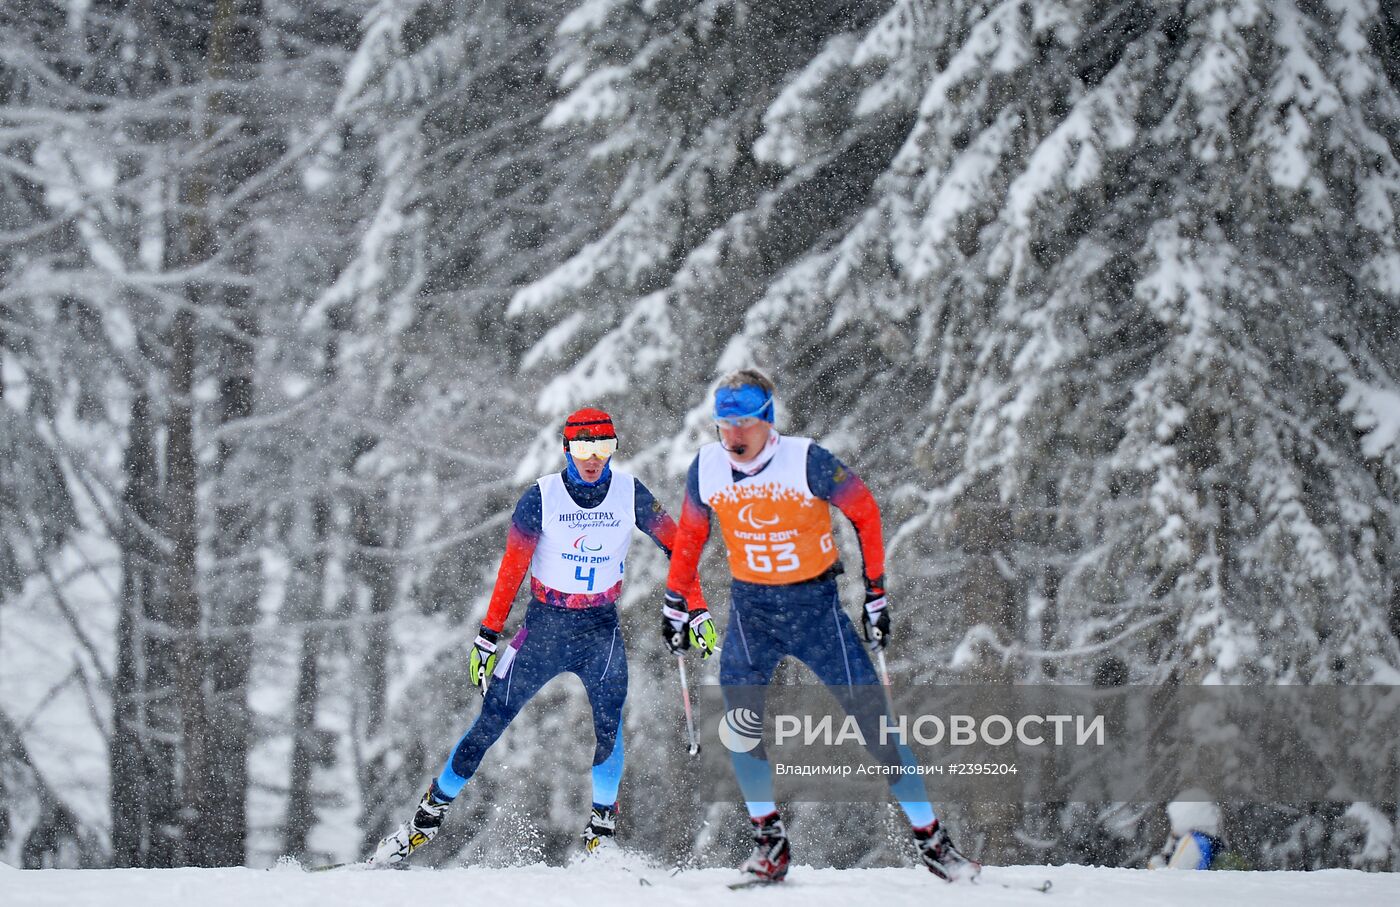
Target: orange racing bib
775,530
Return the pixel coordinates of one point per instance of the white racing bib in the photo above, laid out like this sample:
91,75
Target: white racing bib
582,551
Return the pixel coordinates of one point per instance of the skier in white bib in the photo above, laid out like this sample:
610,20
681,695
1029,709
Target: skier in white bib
570,532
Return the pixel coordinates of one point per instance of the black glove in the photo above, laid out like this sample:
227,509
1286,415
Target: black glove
674,620
875,616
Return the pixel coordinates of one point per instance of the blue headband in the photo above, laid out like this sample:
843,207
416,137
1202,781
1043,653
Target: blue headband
744,402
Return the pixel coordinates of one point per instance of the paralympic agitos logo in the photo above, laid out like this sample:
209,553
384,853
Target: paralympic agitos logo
581,544
746,515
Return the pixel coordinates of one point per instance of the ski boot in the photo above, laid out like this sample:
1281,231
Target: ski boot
598,833
419,830
769,861
941,857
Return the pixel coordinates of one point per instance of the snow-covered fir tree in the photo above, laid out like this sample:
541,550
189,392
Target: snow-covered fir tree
1101,296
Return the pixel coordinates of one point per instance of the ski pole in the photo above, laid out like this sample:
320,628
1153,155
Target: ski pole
694,748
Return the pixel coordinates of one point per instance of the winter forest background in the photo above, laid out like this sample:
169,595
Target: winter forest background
1099,296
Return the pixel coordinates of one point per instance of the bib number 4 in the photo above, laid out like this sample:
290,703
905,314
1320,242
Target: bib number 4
777,558
588,577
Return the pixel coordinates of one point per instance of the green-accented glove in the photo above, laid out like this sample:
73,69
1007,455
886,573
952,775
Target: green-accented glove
483,658
702,633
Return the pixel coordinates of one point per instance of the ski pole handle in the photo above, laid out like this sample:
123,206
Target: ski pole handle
694,748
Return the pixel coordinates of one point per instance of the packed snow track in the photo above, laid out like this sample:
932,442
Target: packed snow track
542,886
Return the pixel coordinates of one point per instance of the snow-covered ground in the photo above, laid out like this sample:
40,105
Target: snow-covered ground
541,886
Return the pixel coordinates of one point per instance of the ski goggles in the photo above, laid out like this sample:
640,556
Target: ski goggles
740,407
587,449
737,421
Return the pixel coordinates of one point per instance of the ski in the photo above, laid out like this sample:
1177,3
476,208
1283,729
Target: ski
752,883
351,864
1042,887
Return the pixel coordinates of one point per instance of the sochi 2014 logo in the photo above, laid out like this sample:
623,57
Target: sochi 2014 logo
740,730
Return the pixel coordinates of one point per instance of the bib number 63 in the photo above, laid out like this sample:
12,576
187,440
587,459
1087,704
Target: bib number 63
777,558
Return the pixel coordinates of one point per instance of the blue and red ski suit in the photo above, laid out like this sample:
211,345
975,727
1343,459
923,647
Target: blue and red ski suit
561,633
769,618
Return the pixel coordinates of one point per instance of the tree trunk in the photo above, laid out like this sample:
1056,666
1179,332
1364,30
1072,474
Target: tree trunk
368,515
233,610
368,518
186,611
141,755
308,591
233,605
212,675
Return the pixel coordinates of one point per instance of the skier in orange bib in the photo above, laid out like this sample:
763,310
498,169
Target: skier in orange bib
771,494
